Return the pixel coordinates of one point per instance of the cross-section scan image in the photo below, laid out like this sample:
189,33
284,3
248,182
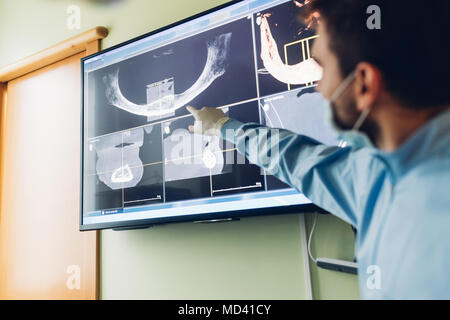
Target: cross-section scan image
138,149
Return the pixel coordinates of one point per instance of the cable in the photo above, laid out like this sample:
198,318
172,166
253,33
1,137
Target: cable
326,262
310,237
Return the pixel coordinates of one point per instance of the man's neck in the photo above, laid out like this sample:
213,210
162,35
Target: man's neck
397,124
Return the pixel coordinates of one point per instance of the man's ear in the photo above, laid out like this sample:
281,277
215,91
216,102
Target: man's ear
368,85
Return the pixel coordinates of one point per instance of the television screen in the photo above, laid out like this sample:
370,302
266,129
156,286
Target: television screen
140,163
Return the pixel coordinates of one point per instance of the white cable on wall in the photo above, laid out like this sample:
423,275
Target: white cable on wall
304,244
310,237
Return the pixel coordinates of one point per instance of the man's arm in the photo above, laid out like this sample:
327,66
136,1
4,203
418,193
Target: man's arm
325,174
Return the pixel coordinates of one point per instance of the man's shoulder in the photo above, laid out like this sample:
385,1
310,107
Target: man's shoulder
426,185
435,166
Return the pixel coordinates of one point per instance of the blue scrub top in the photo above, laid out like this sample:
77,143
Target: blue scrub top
398,201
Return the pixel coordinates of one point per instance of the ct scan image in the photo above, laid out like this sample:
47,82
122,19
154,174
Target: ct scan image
138,149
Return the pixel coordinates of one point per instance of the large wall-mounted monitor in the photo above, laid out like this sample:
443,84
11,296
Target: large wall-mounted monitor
140,163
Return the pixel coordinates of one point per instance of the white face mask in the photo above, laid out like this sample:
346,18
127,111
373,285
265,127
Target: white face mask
353,137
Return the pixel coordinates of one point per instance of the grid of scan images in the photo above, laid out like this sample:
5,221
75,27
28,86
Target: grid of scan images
257,69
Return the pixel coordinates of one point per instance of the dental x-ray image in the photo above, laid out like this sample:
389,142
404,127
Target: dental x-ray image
300,111
129,161
204,166
207,69
189,155
283,44
138,149
240,175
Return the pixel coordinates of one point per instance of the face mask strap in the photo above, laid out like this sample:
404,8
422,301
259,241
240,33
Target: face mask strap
361,119
343,86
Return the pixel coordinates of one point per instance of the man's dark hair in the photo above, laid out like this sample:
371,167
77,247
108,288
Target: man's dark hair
412,48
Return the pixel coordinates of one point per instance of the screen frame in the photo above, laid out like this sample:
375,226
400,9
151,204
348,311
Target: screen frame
275,210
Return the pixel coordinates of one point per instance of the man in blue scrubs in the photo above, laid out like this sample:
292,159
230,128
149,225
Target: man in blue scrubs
388,95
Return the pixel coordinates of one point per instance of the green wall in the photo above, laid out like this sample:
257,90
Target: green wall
255,258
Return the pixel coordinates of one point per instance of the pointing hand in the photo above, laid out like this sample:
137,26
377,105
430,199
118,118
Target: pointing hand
208,121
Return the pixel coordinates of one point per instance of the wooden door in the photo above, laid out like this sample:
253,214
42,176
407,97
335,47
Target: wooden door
42,253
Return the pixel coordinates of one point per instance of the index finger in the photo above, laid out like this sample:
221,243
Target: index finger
193,111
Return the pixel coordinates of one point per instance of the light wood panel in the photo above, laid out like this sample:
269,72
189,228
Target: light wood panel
2,109
39,233
53,54
42,253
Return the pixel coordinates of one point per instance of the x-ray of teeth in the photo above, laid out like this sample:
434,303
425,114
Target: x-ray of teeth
192,155
122,175
283,55
209,159
163,93
118,164
157,84
139,150
304,72
166,104
303,115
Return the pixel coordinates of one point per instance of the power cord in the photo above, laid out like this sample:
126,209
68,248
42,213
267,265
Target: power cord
316,214
329,263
